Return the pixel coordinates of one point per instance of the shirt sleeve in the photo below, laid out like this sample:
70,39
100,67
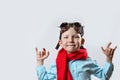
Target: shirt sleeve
46,75
104,73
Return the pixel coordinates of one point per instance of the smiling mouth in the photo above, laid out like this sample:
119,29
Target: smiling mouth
70,45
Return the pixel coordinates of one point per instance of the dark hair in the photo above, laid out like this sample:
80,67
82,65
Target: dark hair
65,26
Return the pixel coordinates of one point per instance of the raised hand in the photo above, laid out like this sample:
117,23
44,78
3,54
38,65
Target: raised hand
41,56
109,52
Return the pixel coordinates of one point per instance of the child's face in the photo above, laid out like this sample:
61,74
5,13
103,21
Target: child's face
70,40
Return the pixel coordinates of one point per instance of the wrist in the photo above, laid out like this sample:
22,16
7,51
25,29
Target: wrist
109,60
40,63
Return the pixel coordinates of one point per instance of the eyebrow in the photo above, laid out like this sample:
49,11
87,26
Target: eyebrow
72,35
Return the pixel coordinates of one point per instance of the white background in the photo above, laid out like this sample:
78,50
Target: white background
26,24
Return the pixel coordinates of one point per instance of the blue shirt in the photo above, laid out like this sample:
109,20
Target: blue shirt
80,70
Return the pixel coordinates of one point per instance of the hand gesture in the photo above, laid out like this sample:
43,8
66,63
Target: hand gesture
109,52
41,56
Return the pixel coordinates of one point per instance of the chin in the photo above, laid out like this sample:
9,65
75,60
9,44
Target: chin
71,50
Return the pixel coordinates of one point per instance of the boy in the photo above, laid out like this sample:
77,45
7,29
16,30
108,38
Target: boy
73,62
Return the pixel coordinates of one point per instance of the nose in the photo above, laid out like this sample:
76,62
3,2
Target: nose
71,39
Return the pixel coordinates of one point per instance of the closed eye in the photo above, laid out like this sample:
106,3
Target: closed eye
65,37
76,37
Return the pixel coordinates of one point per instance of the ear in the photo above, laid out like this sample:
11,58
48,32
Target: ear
60,42
82,41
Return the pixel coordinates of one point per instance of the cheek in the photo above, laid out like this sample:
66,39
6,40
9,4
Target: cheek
63,43
79,43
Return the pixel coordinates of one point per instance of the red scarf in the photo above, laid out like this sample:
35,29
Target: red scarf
63,73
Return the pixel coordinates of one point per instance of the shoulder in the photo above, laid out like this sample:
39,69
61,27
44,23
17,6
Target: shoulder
85,62
89,62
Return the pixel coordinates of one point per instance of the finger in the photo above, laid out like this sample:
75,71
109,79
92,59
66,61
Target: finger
102,49
47,54
112,51
115,48
36,49
42,53
39,54
44,50
109,44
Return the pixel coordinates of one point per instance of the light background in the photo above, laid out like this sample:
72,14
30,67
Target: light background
26,24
